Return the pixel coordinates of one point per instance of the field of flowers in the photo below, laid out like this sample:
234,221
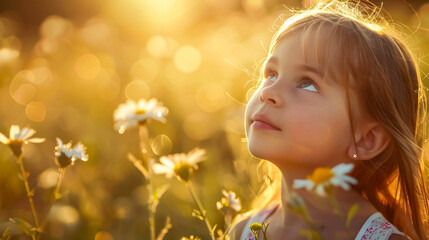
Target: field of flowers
76,79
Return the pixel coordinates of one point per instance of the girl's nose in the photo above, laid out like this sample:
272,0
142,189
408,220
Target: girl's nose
270,96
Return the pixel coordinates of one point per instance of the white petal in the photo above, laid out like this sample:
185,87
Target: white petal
122,126
196,156
161,169
178,158
342,168
26,133
59,142
67,152
340,182
236,205
224,192
141,104
14,130
320,190
124,111
22,133
79,152
151,104
349,179
166,161
36,140
3,139
159,118
141,117
308,184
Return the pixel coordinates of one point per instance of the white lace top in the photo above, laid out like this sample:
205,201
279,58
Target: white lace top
376,226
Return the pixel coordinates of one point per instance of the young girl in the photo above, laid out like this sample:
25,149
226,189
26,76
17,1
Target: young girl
340,86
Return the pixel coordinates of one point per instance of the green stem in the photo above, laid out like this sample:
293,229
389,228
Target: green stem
265,234
307,219
256,236
200,207
337,212
56,194
150,205
144,139
61,172
29,194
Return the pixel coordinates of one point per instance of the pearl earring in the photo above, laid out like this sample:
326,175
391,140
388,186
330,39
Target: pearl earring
354,155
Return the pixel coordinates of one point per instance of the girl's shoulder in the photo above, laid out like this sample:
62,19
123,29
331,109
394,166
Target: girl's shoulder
377,227
240,227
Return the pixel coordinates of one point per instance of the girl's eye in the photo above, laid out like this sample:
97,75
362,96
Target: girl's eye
272,77
309,86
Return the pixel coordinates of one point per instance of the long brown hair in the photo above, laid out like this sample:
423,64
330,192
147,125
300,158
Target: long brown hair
358,48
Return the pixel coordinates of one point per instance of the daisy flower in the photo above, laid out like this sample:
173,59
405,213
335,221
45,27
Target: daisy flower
131,113
229,201
324,178
17,137
180,165
66,155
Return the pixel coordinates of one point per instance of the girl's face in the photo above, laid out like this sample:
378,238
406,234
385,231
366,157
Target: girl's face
298,117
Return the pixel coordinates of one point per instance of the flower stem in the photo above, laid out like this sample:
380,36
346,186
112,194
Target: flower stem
307,219
200,207
29,194
337,212
150,205
144,139
61,172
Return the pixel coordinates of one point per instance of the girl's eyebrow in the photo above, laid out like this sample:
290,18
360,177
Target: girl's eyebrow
273,60
311,69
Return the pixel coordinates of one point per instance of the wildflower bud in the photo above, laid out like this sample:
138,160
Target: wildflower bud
255,227
183,171
16,147
295,203
62,160
65,155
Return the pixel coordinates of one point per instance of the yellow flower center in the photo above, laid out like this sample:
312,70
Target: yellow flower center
255,227
140,111
183,171
321,175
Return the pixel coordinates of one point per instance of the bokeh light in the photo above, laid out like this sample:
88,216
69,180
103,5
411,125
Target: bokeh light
161,145
103,235
35,111
187,59
211,97
8,55
145,69
65,214
87,66
137,89
48,178
55,27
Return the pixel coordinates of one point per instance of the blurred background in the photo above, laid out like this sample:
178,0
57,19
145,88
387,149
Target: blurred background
66,65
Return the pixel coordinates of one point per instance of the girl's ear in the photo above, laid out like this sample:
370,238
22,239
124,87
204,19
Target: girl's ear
371,140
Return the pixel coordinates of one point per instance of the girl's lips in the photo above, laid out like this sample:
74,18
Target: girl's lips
263,125
260,121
